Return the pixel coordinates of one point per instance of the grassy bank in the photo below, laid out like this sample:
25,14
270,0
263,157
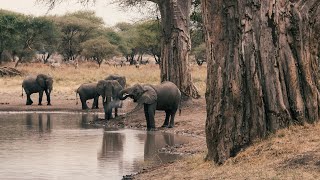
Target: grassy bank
291,153
67,78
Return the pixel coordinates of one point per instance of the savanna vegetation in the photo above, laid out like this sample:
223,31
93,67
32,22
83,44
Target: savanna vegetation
262,71
75,36
67,78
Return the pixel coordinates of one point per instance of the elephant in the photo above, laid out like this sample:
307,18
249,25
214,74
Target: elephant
165,97
121,79
109,90
88,91
38,84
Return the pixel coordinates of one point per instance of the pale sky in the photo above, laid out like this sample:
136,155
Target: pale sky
111,14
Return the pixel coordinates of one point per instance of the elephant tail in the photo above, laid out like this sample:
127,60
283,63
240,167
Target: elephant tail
180,107
77,97
22,91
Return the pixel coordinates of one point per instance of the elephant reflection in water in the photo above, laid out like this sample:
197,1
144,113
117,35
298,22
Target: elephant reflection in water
86,120
112,145
31,119
155,142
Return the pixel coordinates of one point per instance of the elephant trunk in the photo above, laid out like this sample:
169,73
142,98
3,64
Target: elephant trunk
107,107
122,92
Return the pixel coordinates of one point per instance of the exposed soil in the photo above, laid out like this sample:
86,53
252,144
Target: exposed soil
191,122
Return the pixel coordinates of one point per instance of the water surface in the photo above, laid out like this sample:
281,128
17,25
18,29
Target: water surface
65,146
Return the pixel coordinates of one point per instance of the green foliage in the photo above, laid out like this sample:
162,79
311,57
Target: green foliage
98,49
10,30
196,29
72,34
23,36
143,37
76,28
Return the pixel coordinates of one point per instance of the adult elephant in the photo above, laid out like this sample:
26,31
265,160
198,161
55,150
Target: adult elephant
165,97
121,79
38,84
109,90
88,91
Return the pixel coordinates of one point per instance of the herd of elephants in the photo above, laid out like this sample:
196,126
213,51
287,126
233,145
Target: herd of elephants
165,96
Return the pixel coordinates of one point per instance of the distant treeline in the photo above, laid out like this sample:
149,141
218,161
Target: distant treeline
79,34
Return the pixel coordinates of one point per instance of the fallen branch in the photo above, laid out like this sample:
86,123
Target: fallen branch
8,71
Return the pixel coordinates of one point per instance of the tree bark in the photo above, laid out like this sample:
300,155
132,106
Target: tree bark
176,45
262,70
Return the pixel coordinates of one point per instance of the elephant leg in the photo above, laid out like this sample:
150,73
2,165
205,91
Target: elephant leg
107,111
110,113
146,114
84,103
115,112
40,97
48,98
95,103
29,101
150,110
166,121
173,114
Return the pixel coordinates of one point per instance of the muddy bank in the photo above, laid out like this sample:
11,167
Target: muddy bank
191,122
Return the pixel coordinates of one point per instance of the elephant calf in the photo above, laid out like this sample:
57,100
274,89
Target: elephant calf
165,97
38,84
88,91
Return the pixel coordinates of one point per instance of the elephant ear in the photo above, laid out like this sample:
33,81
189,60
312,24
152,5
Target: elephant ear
149,96
116,88
108,89
41,80
100,88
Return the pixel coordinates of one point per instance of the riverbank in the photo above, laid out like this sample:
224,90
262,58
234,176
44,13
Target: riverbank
292,153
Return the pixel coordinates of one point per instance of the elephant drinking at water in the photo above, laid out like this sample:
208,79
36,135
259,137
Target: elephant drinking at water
109,90
38,84
165,97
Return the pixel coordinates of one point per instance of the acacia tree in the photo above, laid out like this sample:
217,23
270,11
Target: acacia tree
149,38
9,30
98,49
76,28
175,43
262,70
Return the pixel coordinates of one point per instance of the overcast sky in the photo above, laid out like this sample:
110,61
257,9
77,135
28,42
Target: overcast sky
111,14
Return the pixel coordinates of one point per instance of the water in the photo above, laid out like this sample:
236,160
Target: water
65,146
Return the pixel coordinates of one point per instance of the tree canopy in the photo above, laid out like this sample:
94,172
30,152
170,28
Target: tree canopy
24,36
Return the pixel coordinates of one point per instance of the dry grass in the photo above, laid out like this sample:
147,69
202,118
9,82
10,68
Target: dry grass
292,153
67,79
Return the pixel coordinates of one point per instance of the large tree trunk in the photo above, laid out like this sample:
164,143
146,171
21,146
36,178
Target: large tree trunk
262,70
176,45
